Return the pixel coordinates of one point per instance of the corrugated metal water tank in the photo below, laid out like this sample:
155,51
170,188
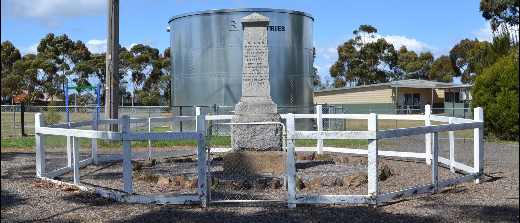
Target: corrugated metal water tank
206,61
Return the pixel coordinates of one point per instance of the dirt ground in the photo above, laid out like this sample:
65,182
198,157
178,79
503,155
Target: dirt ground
496,199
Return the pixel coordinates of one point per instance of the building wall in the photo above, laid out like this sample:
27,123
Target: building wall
370,95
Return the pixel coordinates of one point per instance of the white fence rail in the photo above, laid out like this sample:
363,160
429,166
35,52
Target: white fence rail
431,154
126,136
373,135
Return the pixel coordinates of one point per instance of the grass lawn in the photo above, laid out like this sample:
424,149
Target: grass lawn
59,142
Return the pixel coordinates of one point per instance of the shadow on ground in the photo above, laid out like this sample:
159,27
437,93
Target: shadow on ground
10,199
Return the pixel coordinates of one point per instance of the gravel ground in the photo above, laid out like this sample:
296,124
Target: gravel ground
23,198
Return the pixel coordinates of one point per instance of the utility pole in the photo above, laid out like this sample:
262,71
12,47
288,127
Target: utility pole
112,63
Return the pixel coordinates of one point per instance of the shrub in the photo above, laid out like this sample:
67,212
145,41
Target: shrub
496,90
52,117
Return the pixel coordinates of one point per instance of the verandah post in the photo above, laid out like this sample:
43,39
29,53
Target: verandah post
127,154
291,163
428,136
202,157
478,145
372,159
40,148
319,124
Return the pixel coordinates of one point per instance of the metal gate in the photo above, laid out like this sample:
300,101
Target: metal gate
230,179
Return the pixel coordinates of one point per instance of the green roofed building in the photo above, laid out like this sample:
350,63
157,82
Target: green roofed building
402,96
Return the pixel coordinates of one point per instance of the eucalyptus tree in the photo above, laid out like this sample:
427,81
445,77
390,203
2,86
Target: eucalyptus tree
10,55
501,13
364,59
441,69
412,65
65,54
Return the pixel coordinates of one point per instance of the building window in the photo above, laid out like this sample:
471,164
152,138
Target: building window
452,97
412,99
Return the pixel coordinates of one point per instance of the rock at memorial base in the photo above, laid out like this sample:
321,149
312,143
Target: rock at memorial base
178,180
275,183
253,164
190,183
324,157
163,181
306,156
355,180
147,177
385,172
150,163
299,184
261,183
137,166
314,183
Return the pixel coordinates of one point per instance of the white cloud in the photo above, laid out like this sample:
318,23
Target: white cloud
327,56
410,43
31,49
484,33
52,8
97,46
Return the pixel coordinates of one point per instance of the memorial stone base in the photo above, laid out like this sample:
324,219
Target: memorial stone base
258,137
253,164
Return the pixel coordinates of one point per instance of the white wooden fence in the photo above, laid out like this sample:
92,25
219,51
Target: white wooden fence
373,134
126,136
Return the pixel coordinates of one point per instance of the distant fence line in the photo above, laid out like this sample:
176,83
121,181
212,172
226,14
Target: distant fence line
18,120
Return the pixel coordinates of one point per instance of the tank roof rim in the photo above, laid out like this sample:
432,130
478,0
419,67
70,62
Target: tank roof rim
217,11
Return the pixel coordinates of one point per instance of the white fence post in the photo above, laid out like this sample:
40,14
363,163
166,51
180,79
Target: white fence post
202,157
435,165
428,136
372,159
197,113
291,163
93,145
127,155
75,158
149,141
478,145
451,138
319,123
70,142
40,146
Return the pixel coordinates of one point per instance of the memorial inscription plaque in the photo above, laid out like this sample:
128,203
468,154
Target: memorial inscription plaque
256,104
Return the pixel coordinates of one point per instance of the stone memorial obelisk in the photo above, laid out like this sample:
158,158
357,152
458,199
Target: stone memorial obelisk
256,104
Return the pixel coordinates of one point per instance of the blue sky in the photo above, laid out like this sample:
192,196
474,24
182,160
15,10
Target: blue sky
421,25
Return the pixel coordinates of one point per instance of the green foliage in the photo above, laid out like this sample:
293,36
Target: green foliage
59,58
363,60
9,79
148,97
412,65
52,117
500,12
441,70
496,90
469,57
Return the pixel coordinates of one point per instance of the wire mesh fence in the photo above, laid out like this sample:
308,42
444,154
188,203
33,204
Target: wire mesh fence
13,123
